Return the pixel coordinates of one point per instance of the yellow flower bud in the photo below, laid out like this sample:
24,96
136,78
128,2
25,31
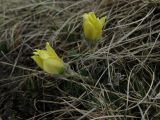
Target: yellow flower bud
48,60
92,27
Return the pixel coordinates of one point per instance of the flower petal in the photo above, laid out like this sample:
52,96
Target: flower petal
38,61
51,51
43,54
103,20
85,17
53,66
93,16
89,30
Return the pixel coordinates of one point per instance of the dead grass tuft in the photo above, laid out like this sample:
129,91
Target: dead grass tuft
117,79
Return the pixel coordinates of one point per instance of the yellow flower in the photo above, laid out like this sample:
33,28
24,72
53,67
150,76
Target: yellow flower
92,27
48,60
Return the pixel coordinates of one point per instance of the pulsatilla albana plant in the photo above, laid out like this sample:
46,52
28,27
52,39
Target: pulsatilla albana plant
48,60
92,27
